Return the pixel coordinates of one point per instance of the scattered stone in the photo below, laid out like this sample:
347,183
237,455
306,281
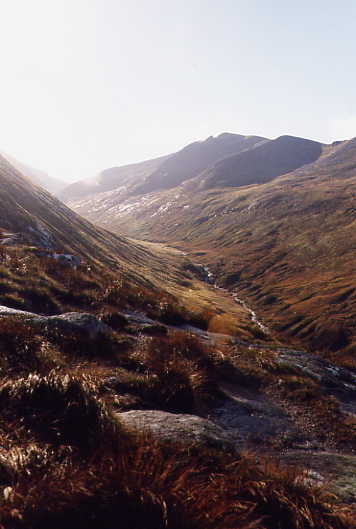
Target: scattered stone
67,260
154,329
9,239
41,236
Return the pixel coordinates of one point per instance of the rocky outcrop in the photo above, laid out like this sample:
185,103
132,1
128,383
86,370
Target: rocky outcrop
247,414
188,430
335,381
8,311
77,323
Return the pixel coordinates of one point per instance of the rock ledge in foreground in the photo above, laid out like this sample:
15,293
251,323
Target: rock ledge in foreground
184,429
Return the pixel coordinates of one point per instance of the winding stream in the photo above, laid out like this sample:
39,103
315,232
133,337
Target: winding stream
210,278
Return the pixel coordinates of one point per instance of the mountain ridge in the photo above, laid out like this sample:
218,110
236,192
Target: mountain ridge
262,163
190,161
203,164
163,172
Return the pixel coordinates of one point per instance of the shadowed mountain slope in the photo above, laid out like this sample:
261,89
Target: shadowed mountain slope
265,162
195,158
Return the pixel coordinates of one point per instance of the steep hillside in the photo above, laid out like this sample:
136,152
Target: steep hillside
144,274
287,245
40,178
38,218
265,162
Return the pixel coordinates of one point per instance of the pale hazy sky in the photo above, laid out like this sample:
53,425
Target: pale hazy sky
88,84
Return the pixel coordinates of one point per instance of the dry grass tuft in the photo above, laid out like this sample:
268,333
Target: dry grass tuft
24,350
179,373
59,409
146,486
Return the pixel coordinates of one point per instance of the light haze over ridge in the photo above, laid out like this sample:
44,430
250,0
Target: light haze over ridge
89,84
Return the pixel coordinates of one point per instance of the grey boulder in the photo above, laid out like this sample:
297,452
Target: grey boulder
189,430
78,323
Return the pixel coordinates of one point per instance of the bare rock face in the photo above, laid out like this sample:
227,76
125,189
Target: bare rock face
173,428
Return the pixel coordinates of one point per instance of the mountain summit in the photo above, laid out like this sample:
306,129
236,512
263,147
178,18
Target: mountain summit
195,158
266,161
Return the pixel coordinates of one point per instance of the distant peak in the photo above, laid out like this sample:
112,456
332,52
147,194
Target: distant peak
227,135
289,137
